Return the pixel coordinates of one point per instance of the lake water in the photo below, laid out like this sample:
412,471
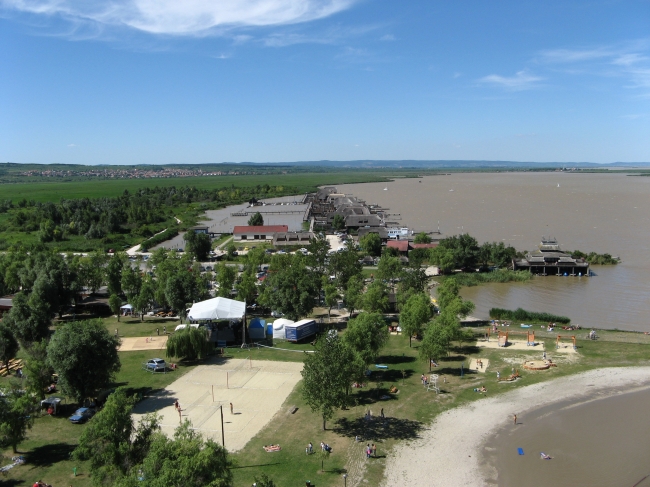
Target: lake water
591,212
600,443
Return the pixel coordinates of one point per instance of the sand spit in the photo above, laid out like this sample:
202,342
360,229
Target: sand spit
449,450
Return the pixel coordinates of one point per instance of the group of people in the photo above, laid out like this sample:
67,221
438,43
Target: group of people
325,447
41,484
371,451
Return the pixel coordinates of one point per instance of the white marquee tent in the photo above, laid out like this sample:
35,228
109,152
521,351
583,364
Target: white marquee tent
217,309
278,328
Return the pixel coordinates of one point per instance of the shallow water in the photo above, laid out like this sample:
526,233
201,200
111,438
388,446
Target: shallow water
591,212
602,443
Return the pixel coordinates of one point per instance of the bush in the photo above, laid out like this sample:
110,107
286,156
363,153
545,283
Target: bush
523,315
500,275
160,238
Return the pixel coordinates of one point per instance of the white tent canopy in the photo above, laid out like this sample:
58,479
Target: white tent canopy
217,309
126,306
278,327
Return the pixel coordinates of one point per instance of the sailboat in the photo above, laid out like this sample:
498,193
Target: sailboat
558,185
386,188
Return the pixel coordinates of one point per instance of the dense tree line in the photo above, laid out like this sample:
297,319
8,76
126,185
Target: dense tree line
464,252
139,212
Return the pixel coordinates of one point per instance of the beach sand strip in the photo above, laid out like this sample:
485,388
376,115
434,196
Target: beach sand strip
448,452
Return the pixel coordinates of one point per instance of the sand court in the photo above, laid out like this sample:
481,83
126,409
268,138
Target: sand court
512,345
476,366
257,391
131,344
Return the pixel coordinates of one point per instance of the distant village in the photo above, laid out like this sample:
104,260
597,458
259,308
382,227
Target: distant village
115,172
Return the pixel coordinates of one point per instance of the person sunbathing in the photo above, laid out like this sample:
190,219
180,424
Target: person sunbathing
544,456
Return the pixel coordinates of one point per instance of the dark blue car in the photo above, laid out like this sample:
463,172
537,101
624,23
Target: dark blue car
82,415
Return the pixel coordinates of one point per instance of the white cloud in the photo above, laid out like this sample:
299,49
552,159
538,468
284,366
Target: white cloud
630,60
387,37
522,80
182,17
72,145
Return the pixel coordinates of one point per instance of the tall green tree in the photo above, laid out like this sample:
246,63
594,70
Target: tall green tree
28,319
114,272
198,244
112,442
331,298
375,300
366,334
226,276
84,355
345,264
256,220
422,238
415,313
247,288
318,248
186,460
327,375
180,290
189,343
131,282
371,244
8,345
290,286
17,411
435,343
354,294
389,267
443,258
339,222
115,303
38,371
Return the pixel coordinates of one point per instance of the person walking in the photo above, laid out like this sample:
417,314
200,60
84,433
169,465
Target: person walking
515,419
164,330
368,450
374,451
382,413
158,331
498,375
231,409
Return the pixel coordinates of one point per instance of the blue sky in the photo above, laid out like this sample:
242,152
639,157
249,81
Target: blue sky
194,81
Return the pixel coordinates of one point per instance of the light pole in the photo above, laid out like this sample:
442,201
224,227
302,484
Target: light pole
345,479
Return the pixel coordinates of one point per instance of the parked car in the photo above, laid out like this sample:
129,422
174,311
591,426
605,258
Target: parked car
82,415
276,314
156,365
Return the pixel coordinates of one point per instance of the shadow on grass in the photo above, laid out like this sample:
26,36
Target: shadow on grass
379,429
373,395
395,359
48,455
234,467
467,349
12,482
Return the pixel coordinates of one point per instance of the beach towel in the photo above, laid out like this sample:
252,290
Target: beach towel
520,451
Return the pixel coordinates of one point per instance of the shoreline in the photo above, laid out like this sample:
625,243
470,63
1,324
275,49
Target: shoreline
449,450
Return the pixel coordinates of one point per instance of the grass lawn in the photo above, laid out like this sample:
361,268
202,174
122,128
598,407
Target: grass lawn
53,438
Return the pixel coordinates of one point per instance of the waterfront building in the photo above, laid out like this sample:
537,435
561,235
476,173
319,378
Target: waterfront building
549,259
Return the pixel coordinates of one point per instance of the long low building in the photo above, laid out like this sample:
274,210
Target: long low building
258,232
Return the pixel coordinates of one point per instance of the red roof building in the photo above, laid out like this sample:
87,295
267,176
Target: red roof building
400,245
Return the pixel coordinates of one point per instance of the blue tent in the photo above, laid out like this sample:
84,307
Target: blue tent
256,329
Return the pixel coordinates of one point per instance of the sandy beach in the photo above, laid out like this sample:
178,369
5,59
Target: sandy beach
449,450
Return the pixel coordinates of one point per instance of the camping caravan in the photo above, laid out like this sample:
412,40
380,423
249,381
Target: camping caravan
278,328
299,330
256,329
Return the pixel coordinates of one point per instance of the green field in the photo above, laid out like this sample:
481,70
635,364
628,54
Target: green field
54,191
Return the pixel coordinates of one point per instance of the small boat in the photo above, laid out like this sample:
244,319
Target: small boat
558,185
386,188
